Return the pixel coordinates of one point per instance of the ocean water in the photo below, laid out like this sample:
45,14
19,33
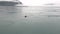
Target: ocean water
39,20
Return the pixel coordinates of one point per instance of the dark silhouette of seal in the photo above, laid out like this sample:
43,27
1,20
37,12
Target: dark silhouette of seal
25,16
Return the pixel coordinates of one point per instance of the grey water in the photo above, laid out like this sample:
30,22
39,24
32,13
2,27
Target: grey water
39,20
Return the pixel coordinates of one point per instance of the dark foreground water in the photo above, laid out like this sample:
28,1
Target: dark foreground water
39,20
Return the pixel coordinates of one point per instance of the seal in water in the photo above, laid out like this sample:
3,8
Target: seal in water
25,16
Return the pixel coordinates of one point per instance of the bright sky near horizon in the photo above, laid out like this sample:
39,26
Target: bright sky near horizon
38,2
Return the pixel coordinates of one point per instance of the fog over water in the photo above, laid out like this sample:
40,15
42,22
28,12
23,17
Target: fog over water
39,2
39,20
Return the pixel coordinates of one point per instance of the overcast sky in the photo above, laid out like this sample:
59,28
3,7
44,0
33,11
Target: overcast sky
38,2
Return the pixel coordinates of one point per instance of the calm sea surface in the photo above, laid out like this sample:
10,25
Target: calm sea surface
39,20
